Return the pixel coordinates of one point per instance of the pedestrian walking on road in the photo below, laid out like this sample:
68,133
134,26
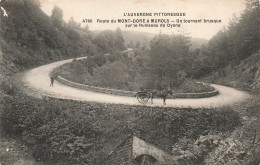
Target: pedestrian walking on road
164,96
152,95
52,80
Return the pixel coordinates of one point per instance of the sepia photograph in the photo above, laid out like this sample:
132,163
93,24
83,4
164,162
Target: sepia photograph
129,82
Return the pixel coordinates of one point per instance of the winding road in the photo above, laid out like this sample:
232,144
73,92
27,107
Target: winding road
37,81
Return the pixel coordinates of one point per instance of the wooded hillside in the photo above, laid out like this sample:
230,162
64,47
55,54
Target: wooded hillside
30,38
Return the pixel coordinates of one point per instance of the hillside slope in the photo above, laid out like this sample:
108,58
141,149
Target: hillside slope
245,75
256,83
30,38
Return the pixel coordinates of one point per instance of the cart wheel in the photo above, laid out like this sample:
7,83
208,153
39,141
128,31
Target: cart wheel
143,98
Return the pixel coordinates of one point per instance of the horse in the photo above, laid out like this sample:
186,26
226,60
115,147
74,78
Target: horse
160,93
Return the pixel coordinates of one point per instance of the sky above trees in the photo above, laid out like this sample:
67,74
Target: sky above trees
115,9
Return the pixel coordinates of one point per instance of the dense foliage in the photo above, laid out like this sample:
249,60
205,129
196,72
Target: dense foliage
169,62
108,41
32,38
74,132
70,132
230,45
140,67
168,57
117,71
162,66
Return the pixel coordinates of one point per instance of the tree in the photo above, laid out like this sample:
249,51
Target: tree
167,58
232,44
73,24
113,75
57,17
119,40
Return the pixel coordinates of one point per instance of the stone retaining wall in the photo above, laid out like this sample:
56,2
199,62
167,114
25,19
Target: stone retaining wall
196,95
140,147
95,89
129,151
122,154
131,93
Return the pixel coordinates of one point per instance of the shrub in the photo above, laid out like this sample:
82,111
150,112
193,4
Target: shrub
51,131
192,86
7,87
80,133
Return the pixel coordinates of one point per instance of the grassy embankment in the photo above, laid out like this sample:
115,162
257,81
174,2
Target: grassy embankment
75,132
116,76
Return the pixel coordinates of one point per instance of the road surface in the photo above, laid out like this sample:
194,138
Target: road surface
38,80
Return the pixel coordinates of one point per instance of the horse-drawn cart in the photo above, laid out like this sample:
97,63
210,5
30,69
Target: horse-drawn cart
143,96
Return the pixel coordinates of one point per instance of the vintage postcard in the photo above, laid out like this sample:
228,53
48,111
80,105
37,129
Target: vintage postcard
130,82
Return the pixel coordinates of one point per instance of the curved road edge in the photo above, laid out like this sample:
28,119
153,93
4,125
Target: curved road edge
37,80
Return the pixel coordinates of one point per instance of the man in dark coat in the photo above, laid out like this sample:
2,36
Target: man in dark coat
52,80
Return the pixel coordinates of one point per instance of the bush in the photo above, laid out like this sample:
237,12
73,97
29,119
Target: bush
53,133
254,159
119,75
85,133
177,123
192,86
7,87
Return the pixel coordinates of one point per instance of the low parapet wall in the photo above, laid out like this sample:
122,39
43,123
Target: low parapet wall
95,89
196,95
131,93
